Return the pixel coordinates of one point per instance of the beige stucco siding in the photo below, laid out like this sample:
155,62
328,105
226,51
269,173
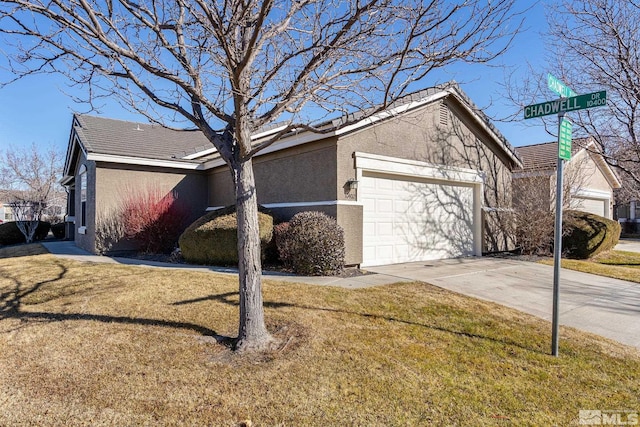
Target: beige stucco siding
435,135
590,174
117,181
590,184
297,175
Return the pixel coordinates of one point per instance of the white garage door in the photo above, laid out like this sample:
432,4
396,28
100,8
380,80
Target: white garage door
594,206
406,220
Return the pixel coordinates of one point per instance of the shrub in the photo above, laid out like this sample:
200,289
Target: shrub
313,244
281,241
213,238
153,219
58,230
109,230
586,235
10,234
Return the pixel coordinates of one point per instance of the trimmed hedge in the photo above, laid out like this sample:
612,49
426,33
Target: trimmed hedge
312,243
212,239
58,230
586,235
10,234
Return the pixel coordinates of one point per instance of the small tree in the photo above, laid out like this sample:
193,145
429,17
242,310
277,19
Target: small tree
28,179
232,67
534,202
27,215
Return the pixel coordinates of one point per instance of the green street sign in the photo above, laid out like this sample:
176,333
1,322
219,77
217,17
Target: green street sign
564,140
559,87
563,105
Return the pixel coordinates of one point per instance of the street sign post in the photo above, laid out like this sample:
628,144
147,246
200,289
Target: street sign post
569,102
559,87
564,139
564,105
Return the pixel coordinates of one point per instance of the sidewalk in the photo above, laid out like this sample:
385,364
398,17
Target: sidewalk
67,249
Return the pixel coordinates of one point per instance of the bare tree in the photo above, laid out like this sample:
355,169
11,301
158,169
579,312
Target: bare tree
534,200
595,45
231,67
28,183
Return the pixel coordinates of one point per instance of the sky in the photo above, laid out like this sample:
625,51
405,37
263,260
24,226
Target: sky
38,110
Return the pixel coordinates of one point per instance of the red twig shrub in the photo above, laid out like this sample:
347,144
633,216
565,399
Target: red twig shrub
153,219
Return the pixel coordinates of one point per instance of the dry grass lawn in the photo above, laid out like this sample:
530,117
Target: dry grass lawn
104,344
622,265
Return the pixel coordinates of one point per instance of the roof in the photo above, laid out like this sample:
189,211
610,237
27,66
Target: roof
151,144
124,138
544,158
539,156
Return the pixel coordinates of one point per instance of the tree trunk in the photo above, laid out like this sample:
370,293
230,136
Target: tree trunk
252,333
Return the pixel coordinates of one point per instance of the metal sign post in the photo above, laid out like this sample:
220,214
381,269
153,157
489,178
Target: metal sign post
557,248
569,101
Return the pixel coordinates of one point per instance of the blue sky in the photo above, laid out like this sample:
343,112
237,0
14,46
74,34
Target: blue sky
36,109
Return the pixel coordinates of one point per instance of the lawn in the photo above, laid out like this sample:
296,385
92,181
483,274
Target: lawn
105,344
616,264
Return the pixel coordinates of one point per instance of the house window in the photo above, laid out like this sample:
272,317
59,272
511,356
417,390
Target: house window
83,196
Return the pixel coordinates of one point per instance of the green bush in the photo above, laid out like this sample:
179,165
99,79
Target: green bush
212,239
58,230
586,235
10,234
312,244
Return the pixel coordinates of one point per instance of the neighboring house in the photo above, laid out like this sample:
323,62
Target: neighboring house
5,213
428,178
590,181
628,214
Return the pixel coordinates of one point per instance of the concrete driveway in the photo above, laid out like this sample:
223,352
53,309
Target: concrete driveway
631,245
604,306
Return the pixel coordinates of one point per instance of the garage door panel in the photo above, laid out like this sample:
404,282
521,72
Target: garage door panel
415,220
594,206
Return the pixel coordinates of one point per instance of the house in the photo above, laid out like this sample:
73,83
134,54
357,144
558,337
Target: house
589,181
6,214
428,178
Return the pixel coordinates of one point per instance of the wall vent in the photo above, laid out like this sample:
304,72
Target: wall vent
444,114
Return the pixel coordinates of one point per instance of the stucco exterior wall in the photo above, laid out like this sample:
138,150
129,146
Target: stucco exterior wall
295,180
591,183
300,174
434,134
114,182
591,177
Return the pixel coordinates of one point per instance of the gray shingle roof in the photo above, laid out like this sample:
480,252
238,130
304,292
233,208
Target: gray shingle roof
123,138
544,156
151,141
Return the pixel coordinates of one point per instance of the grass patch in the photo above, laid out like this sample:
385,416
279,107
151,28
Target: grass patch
615,264
105,344
21,250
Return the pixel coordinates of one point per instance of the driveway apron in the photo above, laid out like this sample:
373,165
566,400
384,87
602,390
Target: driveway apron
604,306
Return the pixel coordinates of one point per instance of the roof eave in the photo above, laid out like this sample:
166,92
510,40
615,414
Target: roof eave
495,135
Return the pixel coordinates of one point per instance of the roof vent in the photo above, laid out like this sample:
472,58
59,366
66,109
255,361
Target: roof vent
138,127
444,114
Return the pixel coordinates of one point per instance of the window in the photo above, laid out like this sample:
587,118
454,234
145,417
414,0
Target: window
83,196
